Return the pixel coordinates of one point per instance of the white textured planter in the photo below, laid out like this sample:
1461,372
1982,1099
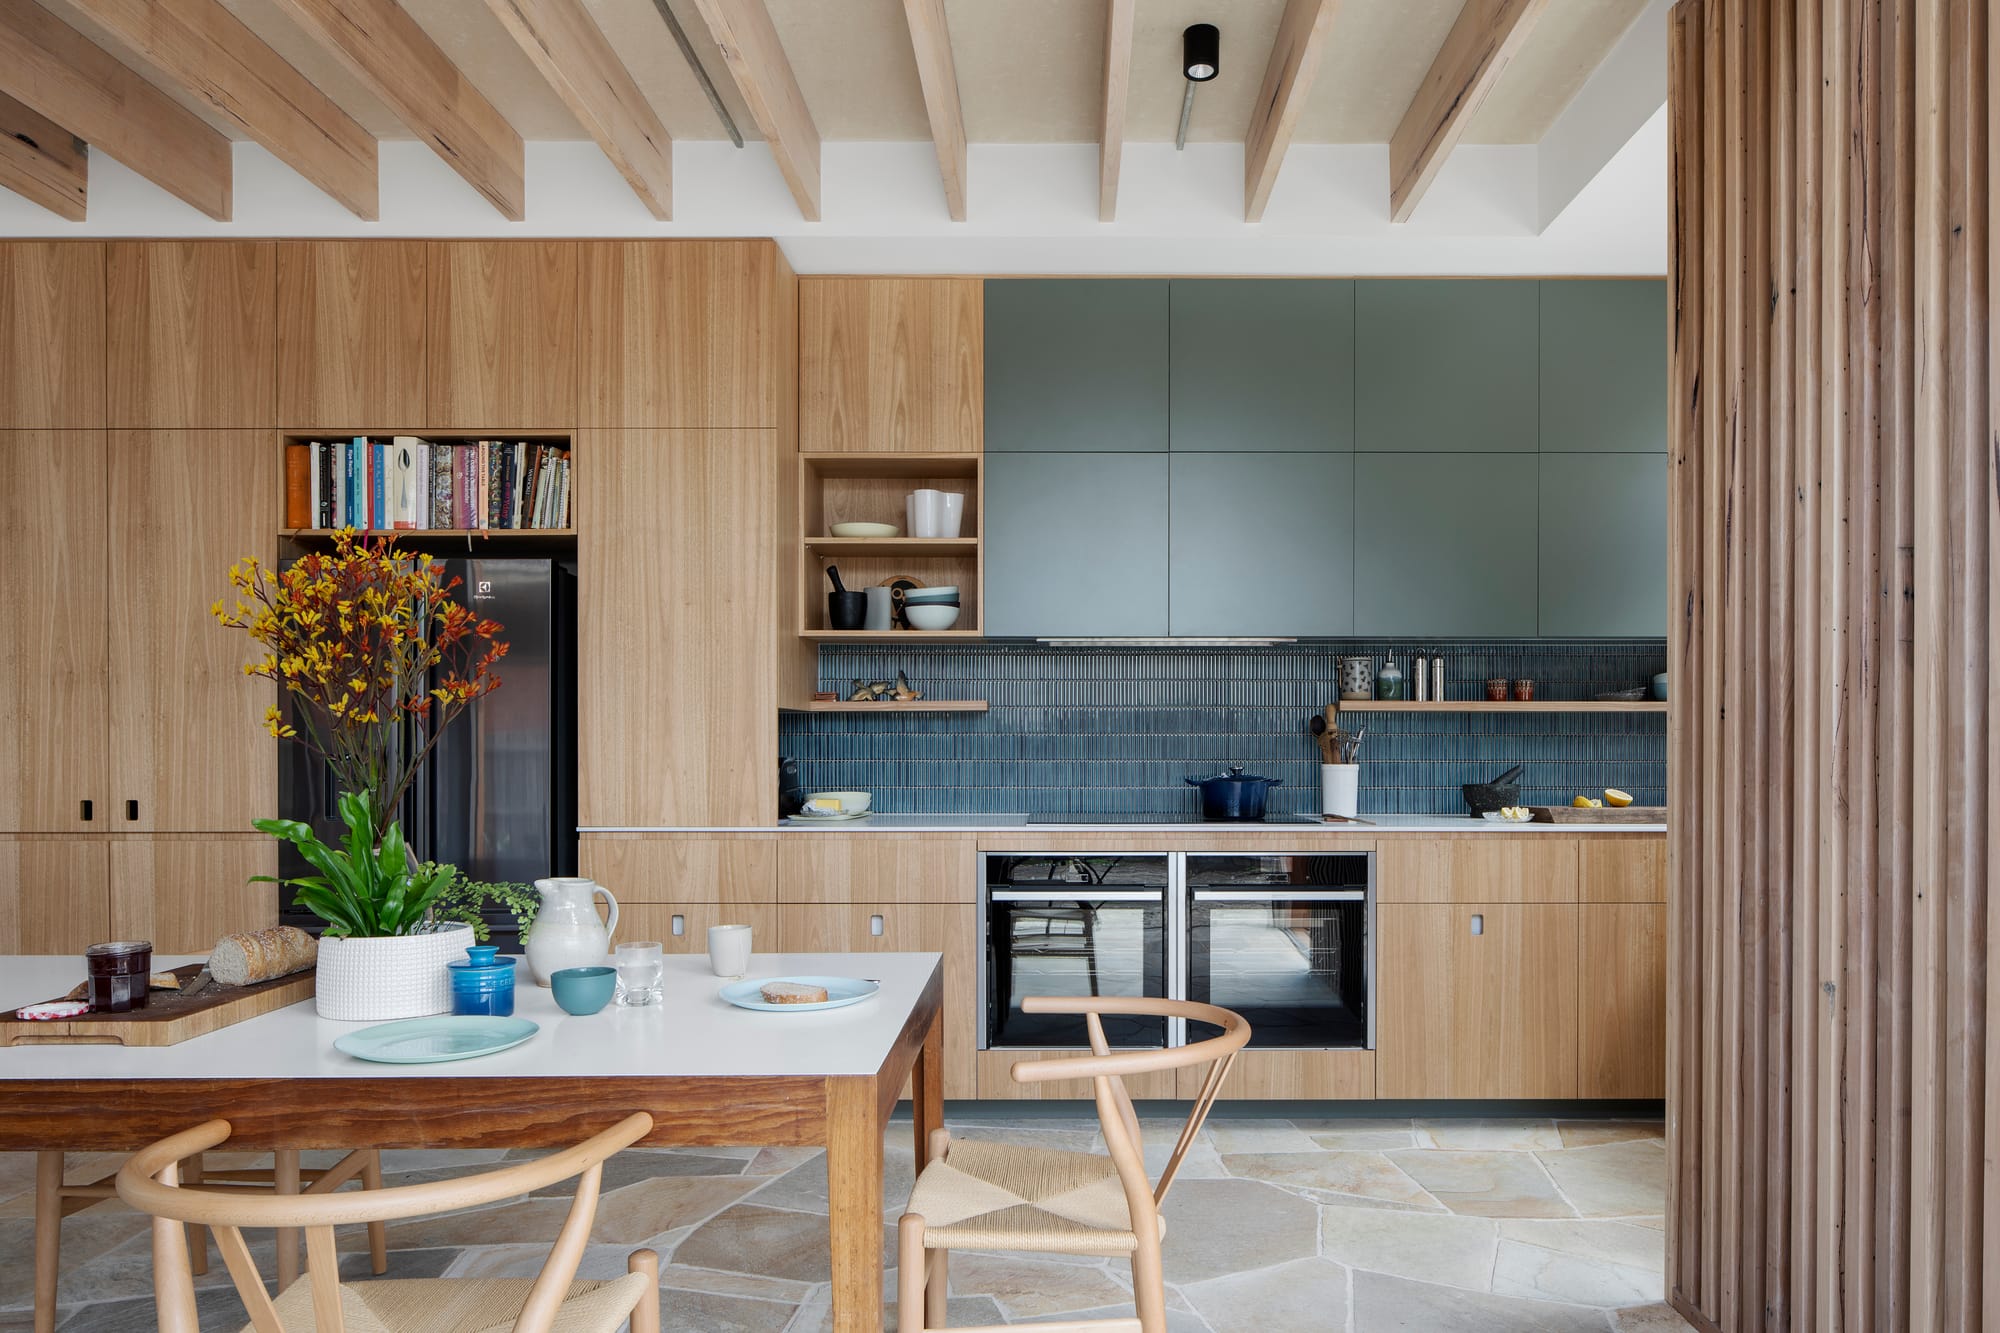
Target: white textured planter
397,976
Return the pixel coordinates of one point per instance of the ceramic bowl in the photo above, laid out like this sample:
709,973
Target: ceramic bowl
930,616
1660,686
584,990
866,530
851,802
943,592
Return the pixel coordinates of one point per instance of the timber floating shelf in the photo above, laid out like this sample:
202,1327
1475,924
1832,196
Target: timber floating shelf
426,534
892,635
893,546
893,706
1501,706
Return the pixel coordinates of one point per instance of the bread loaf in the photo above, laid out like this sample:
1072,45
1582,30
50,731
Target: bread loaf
791,992
261,955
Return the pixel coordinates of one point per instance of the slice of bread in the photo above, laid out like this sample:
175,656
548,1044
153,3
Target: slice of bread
791,992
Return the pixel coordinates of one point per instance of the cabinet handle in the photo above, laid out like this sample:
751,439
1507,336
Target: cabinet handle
1479,923
131,809
86,811
680,925
875,924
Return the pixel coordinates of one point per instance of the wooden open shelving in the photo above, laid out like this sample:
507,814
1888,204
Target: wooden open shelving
415,534
834,548
870,488
1501,705
891,635
892,706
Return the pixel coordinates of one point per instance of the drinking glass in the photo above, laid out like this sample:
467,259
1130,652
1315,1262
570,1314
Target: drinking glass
639,967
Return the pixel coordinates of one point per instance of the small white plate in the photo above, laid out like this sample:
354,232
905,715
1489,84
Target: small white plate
810,818
840,992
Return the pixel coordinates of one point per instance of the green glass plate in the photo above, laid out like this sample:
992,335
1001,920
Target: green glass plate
429,1041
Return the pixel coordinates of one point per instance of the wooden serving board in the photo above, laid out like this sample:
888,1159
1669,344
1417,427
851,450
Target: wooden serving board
1610,814
168,1018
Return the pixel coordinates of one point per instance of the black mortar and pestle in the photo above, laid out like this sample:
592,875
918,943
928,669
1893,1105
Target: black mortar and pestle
844,609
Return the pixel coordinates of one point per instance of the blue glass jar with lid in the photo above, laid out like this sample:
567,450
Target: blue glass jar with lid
482,982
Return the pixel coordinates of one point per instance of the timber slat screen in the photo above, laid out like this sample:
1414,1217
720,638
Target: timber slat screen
1834,1091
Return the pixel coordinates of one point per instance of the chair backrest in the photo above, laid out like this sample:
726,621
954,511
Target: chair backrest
1107,1073
150,1182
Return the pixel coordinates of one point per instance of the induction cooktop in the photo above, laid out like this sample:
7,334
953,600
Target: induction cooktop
1156,817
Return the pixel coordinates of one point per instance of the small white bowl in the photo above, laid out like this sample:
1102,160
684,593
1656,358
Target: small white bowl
851,802
866,530
944,592
921,616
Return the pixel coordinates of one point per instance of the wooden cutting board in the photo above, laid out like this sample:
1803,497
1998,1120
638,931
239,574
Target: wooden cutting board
1610,814
168,1018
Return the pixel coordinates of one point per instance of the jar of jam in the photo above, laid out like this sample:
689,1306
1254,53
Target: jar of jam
118,975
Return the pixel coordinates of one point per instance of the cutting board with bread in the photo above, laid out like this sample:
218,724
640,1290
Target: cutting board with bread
247,974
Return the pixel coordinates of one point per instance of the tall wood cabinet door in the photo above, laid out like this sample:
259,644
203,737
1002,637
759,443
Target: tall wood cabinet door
1623,984
501,339
184,894
903,928
351,335
681,334
192,340
892,365
677,712
1476,1000
189,753
52,318
54,774
54,895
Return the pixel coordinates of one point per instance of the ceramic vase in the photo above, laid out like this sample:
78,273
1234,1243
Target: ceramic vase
395,976
567,932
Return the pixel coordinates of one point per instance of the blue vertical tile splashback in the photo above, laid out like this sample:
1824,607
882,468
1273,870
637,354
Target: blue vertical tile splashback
1078,731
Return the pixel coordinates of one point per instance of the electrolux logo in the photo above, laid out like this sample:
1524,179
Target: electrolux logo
484,591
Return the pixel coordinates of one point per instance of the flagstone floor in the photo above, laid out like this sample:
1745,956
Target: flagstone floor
1324,1224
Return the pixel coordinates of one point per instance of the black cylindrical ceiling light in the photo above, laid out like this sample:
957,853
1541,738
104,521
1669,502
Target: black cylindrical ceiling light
1201,60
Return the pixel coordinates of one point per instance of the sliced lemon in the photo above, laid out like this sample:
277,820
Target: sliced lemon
1581,803
1612,796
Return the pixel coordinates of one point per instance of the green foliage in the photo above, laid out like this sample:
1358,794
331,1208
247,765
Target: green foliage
362,891
464,899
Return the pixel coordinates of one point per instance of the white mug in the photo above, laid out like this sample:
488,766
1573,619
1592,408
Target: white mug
881,613
729,950
951,513
925,508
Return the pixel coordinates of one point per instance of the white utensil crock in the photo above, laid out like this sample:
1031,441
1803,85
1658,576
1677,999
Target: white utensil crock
566,931
1340,789
394,976
925,509
951,513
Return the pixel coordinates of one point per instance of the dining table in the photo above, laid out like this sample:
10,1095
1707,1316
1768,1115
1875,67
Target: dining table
711,1074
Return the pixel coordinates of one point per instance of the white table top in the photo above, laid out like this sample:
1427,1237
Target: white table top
692,1033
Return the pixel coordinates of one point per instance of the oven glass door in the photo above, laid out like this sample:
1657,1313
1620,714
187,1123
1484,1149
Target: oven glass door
1283,940
1073,926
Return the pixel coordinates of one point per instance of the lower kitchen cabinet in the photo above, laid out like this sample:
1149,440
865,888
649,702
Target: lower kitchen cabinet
996,1084
1289,1076
186,893
948,929
1613,869
674,868
54,895
845,867
1477,1000
1478,868
683,926
1623,983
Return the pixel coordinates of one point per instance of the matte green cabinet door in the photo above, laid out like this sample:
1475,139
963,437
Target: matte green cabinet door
1604,545
1445,544
1076,544
1445,365
1263,364
1604,365
1263,544
1076,364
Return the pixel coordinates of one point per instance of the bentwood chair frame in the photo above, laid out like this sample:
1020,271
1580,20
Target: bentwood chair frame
922,1285
150,1182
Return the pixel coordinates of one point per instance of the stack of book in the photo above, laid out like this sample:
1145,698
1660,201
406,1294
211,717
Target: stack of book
405,482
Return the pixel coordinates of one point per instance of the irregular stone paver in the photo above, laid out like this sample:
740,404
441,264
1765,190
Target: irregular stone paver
1216,1227
1613,1180
1429,1247
1271,1298
1485,1184
1488,1135
1382,1303
1029,1288
1589,1133
1369,1174
1657,1318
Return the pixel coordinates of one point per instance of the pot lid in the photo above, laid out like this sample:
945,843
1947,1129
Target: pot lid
1235,774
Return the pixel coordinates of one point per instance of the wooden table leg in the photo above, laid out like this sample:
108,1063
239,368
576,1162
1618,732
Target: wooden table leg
927,1088
285,1180
48,1236
854,1202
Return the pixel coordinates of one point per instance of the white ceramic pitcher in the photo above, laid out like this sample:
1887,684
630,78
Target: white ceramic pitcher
566,931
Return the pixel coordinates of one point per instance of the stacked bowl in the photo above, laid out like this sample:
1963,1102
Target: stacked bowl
931,608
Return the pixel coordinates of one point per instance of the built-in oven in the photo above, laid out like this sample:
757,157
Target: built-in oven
1075,924
1284,941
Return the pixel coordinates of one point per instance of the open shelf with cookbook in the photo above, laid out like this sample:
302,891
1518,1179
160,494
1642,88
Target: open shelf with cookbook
423,485
837,489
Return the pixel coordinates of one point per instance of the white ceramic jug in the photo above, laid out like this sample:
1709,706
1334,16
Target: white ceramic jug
566,932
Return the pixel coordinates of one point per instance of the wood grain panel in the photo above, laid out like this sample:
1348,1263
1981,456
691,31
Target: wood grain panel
749,44
351,329
188,743
681,868
184,894
1492,1014
54,598
43,162
676,628
193,340
1622,870
1477,869
54,894
892,365
657,921
1622,981
681,334
996,1083
1466,68
877,868
1289,1076
906,928
52,316
501,335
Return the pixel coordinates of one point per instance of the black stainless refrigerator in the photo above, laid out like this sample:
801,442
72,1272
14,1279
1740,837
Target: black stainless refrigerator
497,798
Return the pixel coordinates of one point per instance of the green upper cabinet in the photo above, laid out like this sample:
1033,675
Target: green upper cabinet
1604,365
1076,364
1076,544
1444,544
1263,364
1445,365
1604,545
1262,544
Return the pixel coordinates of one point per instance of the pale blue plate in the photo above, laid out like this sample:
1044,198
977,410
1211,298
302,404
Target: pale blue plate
429,1041
840,992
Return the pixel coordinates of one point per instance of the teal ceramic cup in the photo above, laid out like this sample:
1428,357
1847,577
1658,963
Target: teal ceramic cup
584,990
